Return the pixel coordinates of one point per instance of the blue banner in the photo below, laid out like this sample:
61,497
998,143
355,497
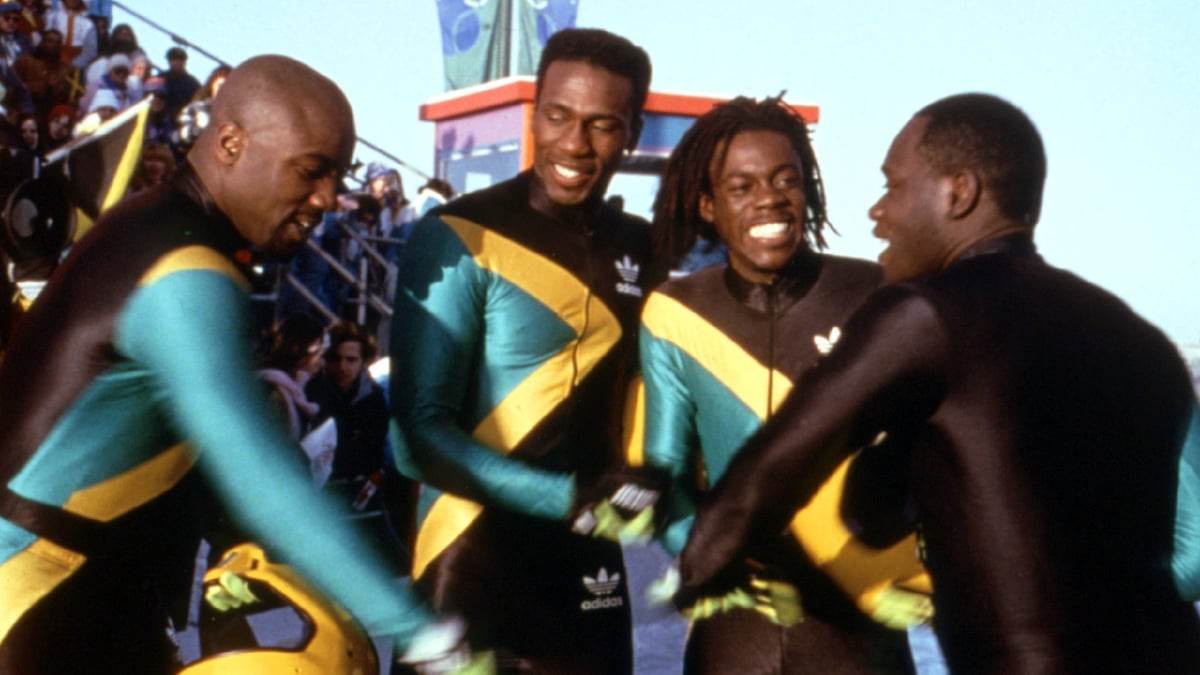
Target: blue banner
475,40
537,20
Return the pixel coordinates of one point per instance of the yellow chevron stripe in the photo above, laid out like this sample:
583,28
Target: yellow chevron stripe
30,576
449,517
634,427
560,291
193,258
125,166
530,401
668,319
862,572
128,162
126,491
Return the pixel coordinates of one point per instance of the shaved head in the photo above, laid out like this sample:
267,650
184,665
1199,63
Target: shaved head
279,138
266,90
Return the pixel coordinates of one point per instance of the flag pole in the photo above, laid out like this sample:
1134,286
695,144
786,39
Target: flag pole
514,39
177,39
180,40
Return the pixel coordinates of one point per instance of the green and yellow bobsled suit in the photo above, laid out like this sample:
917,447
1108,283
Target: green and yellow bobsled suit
514,337
718,355
130,378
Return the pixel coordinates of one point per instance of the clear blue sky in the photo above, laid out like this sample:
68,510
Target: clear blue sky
1114,88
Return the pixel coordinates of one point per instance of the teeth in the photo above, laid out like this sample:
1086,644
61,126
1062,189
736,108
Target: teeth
768,230
569,174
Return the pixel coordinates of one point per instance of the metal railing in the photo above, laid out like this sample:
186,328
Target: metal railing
369,283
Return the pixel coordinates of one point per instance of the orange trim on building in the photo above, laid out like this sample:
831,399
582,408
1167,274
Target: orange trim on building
513,90
527,138
694,106
479,98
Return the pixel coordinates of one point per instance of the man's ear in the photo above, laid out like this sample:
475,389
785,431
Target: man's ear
965,190
706,207
231,142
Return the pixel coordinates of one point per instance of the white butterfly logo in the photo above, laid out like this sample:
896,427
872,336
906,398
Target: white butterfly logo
825,343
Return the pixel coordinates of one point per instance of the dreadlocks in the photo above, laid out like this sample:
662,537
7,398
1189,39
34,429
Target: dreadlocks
677,220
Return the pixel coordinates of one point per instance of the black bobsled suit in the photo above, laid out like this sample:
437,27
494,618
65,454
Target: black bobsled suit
1046,422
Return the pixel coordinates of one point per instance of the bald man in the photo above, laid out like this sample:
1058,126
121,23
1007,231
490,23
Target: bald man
130,382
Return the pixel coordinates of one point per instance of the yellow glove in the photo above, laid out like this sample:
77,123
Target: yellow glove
610,524
898,609
229,592
777,600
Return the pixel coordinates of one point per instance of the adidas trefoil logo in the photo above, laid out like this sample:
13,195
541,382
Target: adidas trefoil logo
601,587
628,270
602,584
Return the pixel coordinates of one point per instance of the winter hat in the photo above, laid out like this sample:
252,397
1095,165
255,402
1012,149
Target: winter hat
62,109
375,170
118,61
104,98
155,85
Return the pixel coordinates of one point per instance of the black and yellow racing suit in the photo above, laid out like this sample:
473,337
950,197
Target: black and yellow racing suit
130,379
718,355
513,339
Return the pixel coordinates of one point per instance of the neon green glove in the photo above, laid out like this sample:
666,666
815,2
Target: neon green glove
898,609
624,504
610,524
738,598
441,649
229,592
660,591
777,600
478,663
481,663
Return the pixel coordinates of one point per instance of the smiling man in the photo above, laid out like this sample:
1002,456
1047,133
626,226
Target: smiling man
131,378
1046,421
721,348
515,331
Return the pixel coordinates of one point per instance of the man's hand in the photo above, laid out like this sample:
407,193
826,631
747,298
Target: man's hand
898,609
442,649
229,592
623,505
777,600
738,598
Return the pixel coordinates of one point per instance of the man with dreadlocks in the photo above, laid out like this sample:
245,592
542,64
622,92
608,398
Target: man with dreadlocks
720,349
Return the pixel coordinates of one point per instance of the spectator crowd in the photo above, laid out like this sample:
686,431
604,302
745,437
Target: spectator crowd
64,71
564,379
